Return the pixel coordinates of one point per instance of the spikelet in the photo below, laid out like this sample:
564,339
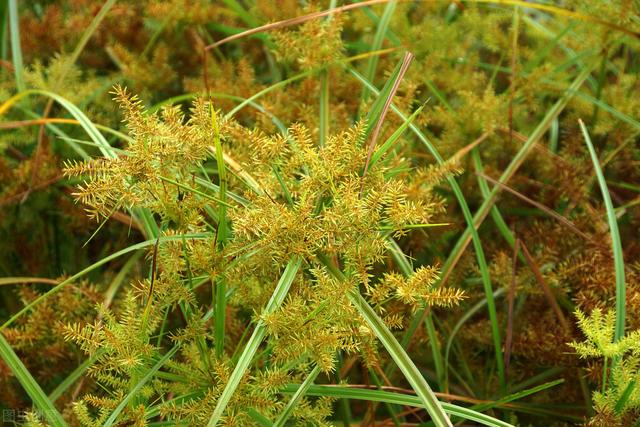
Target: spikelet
315,43
599,327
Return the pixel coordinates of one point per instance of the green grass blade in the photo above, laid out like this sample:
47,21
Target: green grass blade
30,385
135,390
259,418
386,146
496,216
435,348
88,32
399,257
220,299
397,399
190,96
406,365
283,83
300,392
405,267
4,33
378,106
132,248
16,50
518,395
245,16
145,217
547,48
266,90
616,242
376,20
547,373
381,31
553,135
393,410
600,104
324,119
469,313
477,244
87,125
74,376
511,169
213,187
323,130
624,398
259,332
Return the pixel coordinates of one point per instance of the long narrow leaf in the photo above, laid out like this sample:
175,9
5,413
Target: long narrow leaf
132,248
616,243
16,51
518,395
394,137
88,32
511,169
30,385
477,244
138,386
74,376
300,392
406,365
86,124
279,294
398,399
381,31
220,299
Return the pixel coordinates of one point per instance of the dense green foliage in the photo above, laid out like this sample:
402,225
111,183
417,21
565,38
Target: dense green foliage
252,212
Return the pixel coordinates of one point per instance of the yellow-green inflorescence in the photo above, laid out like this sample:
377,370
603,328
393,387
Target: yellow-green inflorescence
287,196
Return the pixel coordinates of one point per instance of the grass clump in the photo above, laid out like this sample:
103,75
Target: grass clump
311,202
